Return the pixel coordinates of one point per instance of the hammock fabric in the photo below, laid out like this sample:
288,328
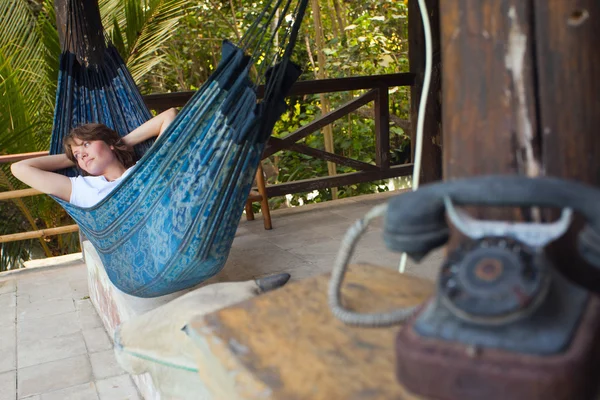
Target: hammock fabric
170,224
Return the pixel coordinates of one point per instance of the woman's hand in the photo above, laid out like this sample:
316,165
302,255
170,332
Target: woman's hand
37,173
151,128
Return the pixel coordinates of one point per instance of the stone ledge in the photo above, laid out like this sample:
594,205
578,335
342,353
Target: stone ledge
49,263
115,307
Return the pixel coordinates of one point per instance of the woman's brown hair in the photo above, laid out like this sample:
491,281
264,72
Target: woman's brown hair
90,132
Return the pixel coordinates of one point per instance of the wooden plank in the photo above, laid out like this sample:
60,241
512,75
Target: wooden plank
567,35
11,158
382,128
287,345
568,63
431,165
17,194
300,148
489,109
167,100
489,112
313,126
308,185
38,234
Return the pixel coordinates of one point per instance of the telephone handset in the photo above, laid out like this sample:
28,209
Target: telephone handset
415,222
501,274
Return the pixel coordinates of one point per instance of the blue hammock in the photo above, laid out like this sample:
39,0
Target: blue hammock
170,224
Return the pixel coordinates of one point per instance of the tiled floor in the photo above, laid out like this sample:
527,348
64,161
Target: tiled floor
53,345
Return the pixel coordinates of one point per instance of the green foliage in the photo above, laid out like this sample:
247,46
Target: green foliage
373,43
139,28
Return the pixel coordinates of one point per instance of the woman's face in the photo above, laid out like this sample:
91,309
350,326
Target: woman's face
93,156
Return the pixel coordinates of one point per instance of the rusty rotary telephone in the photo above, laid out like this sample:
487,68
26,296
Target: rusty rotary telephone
505,323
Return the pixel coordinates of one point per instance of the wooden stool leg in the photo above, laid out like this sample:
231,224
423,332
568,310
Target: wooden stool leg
249,212
264,203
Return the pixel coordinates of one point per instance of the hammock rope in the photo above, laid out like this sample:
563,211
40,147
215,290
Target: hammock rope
170,223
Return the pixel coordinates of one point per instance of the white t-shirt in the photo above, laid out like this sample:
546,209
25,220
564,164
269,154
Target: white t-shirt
87,191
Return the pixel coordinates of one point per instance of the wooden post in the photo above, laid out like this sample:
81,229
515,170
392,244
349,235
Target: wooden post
568,75
568,63
431,169
489,103
521,82
489,113
382,128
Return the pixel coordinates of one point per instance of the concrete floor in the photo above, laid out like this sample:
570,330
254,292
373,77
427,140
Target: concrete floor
53,345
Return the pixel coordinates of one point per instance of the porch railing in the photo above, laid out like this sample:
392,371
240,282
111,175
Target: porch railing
378,87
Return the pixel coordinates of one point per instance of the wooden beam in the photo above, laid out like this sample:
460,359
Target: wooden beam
166,100
382,128
568,65
308,185
17,194
489,112
38,234
568,62
489,107
11,158
324,155
313,126
431,166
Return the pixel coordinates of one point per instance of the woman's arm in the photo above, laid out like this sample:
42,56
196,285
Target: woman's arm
152,127
36,172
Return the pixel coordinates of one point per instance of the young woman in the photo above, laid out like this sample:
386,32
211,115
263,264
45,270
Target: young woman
102,156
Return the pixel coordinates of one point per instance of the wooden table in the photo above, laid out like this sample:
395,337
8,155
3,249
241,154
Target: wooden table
287,345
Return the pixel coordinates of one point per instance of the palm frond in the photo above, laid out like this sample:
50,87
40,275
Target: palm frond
14,113
161,20
25,98
46,28
19,40
112,13
139,29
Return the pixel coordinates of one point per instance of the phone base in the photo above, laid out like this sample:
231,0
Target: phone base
448,370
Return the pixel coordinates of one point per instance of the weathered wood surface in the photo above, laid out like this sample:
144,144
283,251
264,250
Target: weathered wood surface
568,66
308,185
567,34
488,96
287,345
520,93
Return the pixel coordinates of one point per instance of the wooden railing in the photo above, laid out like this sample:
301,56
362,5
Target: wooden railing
378,87
19,194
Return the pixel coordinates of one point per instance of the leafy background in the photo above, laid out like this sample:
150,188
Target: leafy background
173,45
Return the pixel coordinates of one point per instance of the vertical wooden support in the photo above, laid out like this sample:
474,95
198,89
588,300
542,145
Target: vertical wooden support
382,128
521,82
261,184
567,34
489,112
489,108
568,65
431,169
